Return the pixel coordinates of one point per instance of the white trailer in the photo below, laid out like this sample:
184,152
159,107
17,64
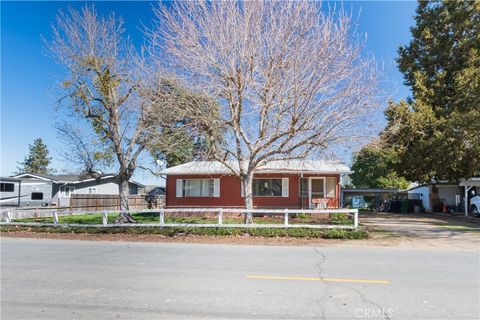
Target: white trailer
21,192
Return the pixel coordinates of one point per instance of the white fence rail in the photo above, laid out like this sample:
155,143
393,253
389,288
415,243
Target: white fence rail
287,213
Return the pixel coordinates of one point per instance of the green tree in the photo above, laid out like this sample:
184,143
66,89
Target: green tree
37,160
373,167
183,139
436,132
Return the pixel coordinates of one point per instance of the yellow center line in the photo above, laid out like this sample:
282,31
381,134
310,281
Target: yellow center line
318,279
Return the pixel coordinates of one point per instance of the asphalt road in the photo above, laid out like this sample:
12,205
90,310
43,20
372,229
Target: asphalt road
62,279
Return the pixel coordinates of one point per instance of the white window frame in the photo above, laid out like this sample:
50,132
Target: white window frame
71,190
270,196
215,192
92,190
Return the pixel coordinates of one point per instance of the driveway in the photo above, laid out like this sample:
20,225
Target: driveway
425,228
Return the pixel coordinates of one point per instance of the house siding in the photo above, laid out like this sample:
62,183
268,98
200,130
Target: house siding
231,194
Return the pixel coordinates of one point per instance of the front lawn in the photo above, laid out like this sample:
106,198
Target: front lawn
153,218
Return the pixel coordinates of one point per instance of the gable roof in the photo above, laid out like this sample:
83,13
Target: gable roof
290,166
67,178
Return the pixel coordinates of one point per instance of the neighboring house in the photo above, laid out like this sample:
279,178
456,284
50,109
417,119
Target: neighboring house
434,195
41,189
154,191
278,184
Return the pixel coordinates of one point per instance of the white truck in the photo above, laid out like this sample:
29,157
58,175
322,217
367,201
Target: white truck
475,206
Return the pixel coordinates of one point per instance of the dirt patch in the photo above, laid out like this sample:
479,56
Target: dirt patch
250,240
377,239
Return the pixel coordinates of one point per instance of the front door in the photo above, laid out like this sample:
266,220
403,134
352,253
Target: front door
317,189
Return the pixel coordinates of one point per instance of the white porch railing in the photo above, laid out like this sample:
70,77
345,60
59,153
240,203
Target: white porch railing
287,213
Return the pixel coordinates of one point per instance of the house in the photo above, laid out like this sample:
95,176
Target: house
435,195
46,189
277,184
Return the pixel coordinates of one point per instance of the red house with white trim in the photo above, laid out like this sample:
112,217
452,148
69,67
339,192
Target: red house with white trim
277,184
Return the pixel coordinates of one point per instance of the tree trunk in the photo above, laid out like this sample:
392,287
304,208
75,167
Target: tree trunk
124,216
247,180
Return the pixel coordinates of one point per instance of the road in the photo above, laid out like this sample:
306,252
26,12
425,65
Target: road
66,279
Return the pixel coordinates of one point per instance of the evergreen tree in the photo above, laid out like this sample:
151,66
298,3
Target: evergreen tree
436,132
37,160
373,167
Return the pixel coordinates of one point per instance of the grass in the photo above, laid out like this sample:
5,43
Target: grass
460,228
153,218
361,233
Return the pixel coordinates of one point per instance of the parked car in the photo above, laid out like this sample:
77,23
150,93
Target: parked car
475,206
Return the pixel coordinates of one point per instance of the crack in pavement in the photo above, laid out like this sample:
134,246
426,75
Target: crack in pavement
320,271
361,294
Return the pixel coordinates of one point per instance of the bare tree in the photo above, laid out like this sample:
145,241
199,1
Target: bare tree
106,92
289,77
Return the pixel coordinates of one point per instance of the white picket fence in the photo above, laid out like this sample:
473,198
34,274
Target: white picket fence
287,213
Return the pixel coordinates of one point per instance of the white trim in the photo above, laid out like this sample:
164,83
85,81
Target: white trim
34,176
268,178
201,179
310,188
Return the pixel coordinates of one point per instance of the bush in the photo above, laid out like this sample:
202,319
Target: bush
340,218
360,233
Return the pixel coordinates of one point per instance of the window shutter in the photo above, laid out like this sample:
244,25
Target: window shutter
216,188
285,187
179,188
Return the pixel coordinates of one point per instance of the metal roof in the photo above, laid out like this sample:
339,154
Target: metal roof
290,166
471,182
370,190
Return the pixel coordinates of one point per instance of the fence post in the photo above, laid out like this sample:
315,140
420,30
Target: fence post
220,214
355,219
104,217
6,215
55,217
285,218
162,217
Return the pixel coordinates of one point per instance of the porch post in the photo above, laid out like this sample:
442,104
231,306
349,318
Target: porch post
467,188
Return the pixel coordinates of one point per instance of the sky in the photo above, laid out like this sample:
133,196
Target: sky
29,78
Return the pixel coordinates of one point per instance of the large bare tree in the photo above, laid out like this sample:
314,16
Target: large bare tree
107,93
289,77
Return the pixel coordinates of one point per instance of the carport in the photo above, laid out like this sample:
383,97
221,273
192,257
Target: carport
469,184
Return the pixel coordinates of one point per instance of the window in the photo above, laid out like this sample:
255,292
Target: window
92,190
198,188
331,187
37,196
67,191
267,187
7,187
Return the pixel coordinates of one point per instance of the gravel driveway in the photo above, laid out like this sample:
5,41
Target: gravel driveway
425,228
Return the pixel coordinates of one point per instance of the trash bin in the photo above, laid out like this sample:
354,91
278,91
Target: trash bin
404,206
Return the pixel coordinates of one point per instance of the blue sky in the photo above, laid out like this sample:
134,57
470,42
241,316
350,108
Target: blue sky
29,77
